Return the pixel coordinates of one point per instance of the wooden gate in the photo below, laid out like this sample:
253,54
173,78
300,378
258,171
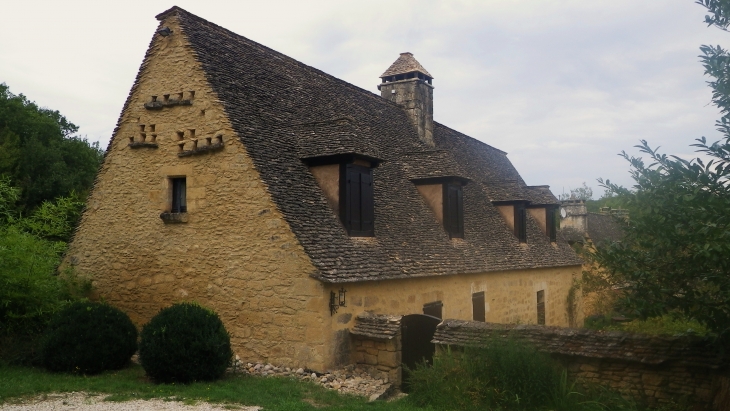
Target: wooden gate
416,334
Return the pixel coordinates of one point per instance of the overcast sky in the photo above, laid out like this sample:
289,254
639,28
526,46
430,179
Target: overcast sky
562,86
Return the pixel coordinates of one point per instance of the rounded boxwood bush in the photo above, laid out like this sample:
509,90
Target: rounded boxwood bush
185,343
88,338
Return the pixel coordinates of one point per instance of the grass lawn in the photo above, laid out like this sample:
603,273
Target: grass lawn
131,383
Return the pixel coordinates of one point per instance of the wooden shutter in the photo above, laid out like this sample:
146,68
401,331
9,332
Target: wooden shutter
550,223
454,210
541,307
434,309
478,307
521,222
356,200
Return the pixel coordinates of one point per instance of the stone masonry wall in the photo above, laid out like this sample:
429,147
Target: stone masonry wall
381,358
376,345
232,252
653,370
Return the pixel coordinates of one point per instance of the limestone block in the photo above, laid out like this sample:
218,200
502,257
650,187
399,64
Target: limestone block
388,358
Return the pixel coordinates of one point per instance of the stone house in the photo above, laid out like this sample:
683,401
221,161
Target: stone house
583,228
292,203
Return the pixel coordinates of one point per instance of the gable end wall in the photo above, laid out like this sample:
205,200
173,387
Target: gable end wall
235,254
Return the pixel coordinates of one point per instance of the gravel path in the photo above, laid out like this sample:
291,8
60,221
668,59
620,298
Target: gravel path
85,402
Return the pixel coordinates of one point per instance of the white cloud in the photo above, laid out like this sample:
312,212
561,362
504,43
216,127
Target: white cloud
563,86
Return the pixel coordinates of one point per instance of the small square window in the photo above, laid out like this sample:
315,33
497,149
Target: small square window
179,200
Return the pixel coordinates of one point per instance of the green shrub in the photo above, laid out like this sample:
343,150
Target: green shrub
88,338
185,343
504,374
29,291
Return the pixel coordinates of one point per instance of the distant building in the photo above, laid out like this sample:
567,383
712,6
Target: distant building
578,226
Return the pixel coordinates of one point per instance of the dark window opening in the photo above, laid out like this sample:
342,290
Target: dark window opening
434,309
551,223
521,222
357,206
541,307
454,210
179,201
479,312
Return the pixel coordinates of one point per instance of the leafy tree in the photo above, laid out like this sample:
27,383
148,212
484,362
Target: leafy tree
674,256
56,220
39,151
581,193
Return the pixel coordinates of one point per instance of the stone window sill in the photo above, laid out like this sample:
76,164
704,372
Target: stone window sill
174,218
201,150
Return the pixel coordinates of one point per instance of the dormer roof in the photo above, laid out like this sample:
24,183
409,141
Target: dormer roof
406,63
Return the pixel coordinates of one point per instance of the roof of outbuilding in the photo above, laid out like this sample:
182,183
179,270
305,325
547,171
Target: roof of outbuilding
406,63
284,111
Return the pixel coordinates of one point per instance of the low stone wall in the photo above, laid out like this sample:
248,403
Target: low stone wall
377,347
653,370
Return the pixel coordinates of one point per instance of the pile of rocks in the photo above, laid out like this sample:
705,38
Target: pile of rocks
349,380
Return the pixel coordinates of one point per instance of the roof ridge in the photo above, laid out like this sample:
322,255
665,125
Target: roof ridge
368,93
468,136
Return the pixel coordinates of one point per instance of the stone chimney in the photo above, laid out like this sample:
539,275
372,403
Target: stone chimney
407,83
574,215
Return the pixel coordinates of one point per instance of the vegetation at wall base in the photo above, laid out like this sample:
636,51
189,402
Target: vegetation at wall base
505,374
669,325
185,343
88,338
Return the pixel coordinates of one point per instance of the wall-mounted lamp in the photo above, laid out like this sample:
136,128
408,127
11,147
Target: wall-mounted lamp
164,32
337,300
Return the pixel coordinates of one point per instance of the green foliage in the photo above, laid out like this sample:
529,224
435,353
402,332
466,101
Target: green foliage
9,195
55,221
673,257
40,153
503,374
185,343
581,193
29,290
88,338
231,392
664,325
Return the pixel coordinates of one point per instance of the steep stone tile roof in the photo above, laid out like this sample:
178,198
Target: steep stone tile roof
600,228
406,63
284,111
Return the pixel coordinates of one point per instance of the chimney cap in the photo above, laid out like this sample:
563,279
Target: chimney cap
406,63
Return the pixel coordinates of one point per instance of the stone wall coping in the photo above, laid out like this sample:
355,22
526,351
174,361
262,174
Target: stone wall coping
582,342
383,327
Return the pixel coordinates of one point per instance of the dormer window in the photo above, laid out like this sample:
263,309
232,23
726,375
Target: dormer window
544,215
445,197
347,183
515,214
